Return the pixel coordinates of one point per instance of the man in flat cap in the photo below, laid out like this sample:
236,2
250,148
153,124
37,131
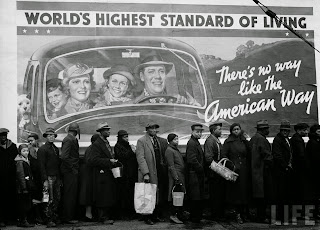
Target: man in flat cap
150,155
282,155
261,163
70,171
196,173
8,152
212,152
101,159
153,72
48,155
299,162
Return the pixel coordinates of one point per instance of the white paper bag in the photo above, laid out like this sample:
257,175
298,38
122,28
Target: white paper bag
145,196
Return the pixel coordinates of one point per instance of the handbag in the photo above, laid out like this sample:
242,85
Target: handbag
221,169
145,196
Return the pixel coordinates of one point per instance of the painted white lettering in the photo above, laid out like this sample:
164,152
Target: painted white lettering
288,66
289,97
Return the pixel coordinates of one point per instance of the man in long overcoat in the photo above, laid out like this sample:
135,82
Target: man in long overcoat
282,155
8,152
300,165
150,155
212,152
196,174
261,163
70,171
101,160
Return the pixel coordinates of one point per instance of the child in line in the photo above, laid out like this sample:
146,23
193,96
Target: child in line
24,185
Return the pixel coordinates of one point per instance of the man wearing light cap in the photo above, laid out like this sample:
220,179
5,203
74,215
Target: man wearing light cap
152,167
48,155
261,163
70,171
101,159
8,152
196,174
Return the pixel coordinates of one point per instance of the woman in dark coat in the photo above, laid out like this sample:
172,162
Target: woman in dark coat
236,149
124,153
85,195
313,159
176,172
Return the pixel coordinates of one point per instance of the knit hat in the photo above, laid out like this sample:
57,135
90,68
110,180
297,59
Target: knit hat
234,125
171,136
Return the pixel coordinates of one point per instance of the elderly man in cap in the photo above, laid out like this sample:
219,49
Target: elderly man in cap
78,82
101,159
150,155
261,164
153,73
70,171
282,155
48,155
8,152
212,152
299,163
196,173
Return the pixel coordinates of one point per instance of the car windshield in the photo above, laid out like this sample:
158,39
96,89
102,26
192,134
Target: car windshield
102,78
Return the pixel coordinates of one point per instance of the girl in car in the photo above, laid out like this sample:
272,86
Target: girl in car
118,86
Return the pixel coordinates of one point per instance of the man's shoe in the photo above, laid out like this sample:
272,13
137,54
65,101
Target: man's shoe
25,224
149,221
51,224
108,221
175,219
158,219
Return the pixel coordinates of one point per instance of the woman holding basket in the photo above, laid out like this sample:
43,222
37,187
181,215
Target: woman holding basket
236,149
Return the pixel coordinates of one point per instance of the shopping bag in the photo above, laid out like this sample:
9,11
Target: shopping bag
145,195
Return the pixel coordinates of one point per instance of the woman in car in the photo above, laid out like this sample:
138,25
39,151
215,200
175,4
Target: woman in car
78,82
236,149
117,89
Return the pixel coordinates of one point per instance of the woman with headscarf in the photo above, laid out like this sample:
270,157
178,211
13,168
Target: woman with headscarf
176,172
125,153
236,149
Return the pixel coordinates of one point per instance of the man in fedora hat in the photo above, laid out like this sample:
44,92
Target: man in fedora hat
70,171
101,159
152,167
212,152
299,163
261,162
282,155
153,71
48,155
196,173
8,152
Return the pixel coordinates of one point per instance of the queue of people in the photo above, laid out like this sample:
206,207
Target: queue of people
280,174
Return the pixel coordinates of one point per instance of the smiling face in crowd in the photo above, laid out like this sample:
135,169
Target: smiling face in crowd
80,87
118,85
154,79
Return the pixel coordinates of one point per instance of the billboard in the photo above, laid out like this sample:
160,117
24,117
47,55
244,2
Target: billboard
170,63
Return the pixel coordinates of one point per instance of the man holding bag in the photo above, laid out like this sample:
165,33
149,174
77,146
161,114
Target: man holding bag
152,168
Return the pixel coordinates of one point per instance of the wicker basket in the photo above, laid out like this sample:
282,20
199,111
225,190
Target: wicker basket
221,169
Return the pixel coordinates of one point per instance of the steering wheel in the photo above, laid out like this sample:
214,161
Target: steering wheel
157,96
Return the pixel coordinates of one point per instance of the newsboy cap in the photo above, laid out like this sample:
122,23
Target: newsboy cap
102,125
197,127
300,126
49,131
261,124
4,130
151,125
122,133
